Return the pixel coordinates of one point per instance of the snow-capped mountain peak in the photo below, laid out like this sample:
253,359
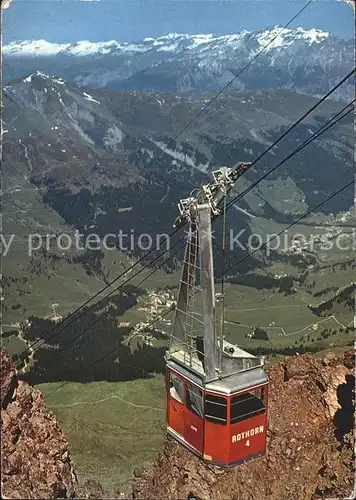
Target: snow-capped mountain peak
167,43
87,48
285,37
44,76
34,48
306,61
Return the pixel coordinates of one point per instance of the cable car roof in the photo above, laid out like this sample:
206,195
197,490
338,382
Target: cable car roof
227,385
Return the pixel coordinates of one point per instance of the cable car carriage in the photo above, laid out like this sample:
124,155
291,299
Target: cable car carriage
217,393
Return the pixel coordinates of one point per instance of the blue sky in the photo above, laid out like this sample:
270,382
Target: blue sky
64,21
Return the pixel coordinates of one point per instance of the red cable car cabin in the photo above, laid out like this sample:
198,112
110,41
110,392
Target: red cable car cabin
216,392
225,421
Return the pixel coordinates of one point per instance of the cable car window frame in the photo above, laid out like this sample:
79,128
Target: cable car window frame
222,403
176,382
258,393
196,403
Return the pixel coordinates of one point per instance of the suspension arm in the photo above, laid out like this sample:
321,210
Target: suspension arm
212,193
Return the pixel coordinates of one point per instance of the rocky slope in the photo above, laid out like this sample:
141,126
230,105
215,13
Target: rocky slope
307,61
35,460
310,443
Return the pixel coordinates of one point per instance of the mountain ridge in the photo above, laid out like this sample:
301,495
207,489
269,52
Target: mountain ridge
305,61
86,47
134,125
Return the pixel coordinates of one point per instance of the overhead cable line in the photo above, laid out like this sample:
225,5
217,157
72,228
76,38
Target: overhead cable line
315,136
349,184
112,351
307,113
333,195
78,337
334,120
230,82
63,325
330,123
227,85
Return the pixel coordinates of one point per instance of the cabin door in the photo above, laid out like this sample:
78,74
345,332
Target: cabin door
176,403
194,417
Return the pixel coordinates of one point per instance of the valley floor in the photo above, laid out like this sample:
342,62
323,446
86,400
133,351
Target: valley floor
112,428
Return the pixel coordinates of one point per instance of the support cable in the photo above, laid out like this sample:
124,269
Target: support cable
102,358
329,124
322,130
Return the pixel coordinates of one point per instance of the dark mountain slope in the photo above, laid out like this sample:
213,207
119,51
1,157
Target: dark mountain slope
104,161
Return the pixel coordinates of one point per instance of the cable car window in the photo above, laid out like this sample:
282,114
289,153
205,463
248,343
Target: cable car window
247,405
176,389
216,409
195,400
